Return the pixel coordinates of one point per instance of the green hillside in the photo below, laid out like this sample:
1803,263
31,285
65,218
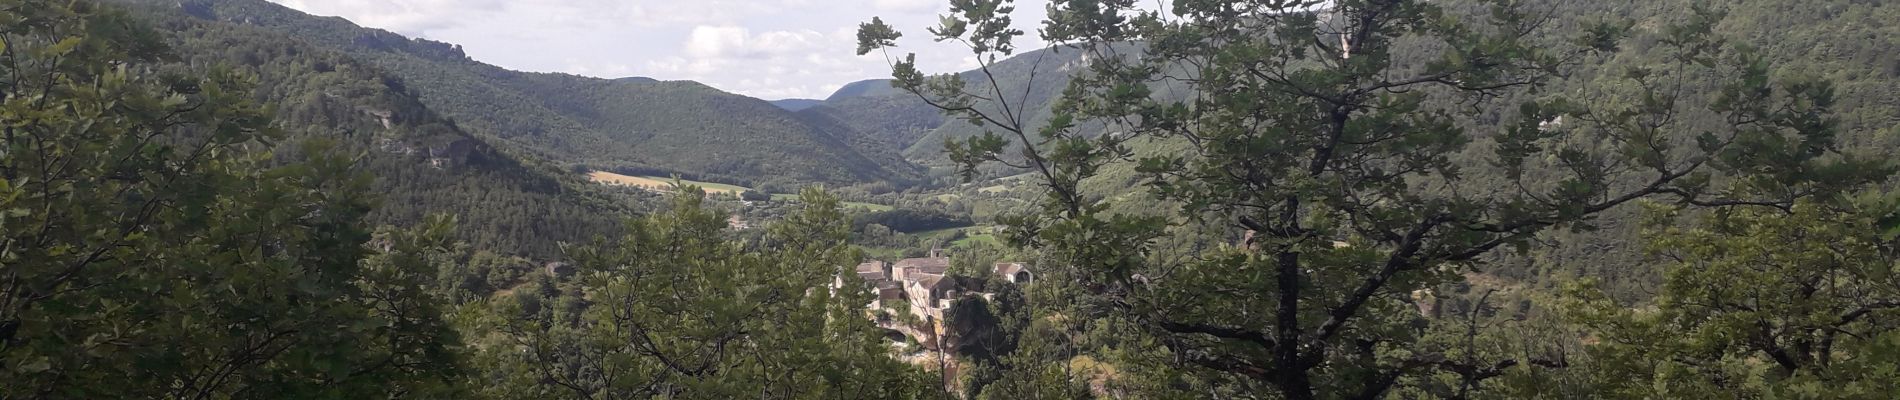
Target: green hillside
422,163
1844,42
864,88
796,105
1030,82
881,127
634,125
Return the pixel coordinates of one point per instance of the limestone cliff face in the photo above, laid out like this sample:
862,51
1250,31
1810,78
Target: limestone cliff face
453,154
382,40
449,154
439,146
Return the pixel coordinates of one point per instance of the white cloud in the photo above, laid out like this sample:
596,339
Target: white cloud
761,48
784,42
584,67
907,6
737,42
716,41
681,68
661,13
409,17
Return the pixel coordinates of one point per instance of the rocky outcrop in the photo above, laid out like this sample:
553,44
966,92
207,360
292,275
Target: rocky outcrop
382,40
453,154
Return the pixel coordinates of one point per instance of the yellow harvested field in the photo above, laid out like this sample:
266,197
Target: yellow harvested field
618,179
657,183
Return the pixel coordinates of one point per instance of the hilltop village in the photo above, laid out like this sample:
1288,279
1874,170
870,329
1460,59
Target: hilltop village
913,294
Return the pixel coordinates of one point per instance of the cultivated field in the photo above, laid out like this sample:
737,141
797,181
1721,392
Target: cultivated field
664,183
659,183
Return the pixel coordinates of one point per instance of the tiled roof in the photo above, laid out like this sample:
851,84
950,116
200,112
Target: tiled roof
930,265
928,280
932,281
1010,268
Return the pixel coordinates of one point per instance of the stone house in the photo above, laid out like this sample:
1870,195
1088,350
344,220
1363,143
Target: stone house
925,286
931,294
874,271
1014,272
912,269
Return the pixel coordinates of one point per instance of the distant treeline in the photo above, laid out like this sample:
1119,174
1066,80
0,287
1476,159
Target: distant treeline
910,221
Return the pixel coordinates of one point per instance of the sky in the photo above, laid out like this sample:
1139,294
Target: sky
770,49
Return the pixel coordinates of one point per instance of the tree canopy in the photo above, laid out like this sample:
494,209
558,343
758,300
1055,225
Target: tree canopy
1368,152
153,249
1219,199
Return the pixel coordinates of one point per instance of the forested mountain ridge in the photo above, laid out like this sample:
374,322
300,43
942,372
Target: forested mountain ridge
1030,82
639,125
794,105
875,125
863,88
421,163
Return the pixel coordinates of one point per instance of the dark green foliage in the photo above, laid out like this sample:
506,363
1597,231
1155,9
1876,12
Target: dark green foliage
909,220
1832,41
675,310
1836,40
409,344
754,195
1755,303
154,248
890,123
878,128
1355,145
987,331
482,274
796,105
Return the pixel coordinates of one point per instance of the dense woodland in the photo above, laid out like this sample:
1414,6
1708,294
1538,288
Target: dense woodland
1360,199
423,163
1438,200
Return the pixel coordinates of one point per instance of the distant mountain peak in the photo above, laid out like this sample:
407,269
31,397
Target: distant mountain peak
868,87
